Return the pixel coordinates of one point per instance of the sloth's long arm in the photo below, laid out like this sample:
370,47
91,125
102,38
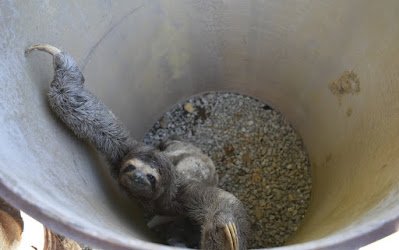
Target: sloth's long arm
84,113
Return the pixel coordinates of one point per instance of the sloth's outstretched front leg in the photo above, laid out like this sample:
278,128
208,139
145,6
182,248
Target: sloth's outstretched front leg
84,113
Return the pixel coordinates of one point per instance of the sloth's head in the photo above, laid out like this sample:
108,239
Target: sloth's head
145,173
138,178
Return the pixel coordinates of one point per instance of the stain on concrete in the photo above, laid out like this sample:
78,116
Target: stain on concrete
328,157
347,84
349,112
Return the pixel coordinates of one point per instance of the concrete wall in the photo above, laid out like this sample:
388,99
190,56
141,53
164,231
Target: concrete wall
331,67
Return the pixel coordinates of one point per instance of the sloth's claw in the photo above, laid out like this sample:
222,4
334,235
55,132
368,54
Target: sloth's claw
231,234
43,47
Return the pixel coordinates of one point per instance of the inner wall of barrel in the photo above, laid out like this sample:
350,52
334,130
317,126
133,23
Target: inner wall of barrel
280,57
142,57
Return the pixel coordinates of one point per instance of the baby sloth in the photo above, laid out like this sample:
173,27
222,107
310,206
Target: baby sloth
174,179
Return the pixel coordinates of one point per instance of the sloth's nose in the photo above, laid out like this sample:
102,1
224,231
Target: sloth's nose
138,176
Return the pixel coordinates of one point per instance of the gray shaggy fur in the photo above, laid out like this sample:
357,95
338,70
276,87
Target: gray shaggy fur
214,208
178,178
201,199
86,115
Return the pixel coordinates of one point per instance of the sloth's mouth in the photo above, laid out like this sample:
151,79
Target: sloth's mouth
133,183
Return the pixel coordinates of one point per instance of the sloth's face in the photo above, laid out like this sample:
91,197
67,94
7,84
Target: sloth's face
139,179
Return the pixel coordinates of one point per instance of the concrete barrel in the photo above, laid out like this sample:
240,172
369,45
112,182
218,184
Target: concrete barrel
331,67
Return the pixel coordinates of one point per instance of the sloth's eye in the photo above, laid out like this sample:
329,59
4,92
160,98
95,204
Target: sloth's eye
151,179
128,168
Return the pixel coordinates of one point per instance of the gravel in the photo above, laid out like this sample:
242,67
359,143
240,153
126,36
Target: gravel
258,155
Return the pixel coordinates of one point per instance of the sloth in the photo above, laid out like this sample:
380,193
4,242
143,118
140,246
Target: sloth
173,179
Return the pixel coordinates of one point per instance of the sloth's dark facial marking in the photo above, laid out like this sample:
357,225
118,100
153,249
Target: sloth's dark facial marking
152,180
128,168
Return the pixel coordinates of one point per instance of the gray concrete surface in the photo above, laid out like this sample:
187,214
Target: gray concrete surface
141,57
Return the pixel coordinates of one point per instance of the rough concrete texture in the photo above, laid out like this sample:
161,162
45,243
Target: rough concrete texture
141,57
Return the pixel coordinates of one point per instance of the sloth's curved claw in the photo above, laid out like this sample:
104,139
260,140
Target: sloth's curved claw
231,234
43,47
